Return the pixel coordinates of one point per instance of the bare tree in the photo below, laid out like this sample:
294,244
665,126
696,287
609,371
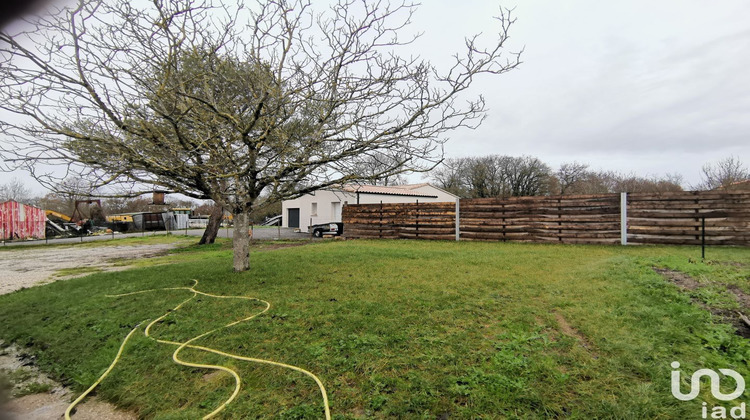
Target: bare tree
525,176
450,176
376,167
639,184
493,176
478,178
604,182
189,95
724,174
64,195
15,190
570,174
126,205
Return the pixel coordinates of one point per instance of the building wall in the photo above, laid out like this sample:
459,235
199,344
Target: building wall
325,206
442,196
321,212
19,221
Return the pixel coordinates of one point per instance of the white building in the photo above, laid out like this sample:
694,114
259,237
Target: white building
324,206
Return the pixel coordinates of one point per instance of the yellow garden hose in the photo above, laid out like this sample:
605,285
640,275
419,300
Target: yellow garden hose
187,344
98,381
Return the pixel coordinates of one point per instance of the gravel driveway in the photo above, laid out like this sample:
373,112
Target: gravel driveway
22,267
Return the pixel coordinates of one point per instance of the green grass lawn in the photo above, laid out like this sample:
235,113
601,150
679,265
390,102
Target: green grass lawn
408,329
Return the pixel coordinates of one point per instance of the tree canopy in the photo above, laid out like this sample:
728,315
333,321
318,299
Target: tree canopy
222,102
725,174
493,176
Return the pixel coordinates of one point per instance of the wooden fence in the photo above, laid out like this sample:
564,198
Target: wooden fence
405,221
676,218
663,218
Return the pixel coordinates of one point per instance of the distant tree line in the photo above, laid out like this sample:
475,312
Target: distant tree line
514,176
492,176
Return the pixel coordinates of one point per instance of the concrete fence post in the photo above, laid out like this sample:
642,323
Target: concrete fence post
624,218
458,220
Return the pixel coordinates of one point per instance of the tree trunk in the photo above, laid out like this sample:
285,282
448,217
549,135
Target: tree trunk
212,228
241,241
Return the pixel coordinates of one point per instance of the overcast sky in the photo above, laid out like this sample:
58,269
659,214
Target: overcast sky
649,87
644,86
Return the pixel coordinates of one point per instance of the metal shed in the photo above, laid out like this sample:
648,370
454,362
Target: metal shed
21,221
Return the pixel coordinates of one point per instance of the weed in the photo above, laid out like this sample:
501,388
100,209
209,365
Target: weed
32,388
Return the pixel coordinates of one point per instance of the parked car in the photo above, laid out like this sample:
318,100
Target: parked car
333,228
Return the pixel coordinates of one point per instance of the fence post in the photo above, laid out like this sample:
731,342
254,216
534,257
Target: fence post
458,220
624,218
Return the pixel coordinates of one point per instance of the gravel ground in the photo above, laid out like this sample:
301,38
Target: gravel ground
52,404
21,267
261,233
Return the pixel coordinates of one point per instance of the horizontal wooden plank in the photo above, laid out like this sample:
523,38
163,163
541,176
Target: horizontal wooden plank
406,235
593,197
547,213
673,214
685,241
687,196
540,205
686,232
687,222
723,205
583,223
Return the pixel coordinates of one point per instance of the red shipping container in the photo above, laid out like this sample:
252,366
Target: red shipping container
20,221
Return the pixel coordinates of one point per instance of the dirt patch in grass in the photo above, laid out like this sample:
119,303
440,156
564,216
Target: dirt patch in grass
53,406
680,279
732,317
36,396
742,298
568,330
214,376
732,263
686,282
